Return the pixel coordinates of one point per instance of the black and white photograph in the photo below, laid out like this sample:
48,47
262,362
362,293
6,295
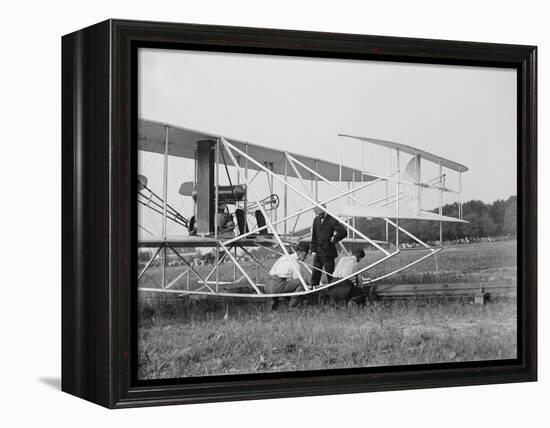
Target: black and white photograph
275,214
300,214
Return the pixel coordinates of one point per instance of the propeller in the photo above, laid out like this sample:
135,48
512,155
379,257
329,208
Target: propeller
142,182
187,188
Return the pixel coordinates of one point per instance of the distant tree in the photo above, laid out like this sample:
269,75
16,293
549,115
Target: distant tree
471,229
510,223
487,225
475,207
497,211
498,218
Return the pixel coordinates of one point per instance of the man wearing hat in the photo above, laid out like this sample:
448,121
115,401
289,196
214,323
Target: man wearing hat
283,276
325,234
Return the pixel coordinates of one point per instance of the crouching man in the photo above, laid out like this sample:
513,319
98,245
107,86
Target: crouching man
283,276
349,289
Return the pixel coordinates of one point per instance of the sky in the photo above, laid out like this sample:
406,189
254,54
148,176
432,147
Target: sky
466,114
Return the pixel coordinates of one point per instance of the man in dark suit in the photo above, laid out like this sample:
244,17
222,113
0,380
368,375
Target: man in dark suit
325,234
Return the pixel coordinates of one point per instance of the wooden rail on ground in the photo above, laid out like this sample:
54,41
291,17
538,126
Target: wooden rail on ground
503,288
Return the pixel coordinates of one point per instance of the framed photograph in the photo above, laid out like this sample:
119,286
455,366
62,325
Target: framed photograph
253,213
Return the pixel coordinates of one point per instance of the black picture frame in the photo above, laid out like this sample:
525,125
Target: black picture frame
99,214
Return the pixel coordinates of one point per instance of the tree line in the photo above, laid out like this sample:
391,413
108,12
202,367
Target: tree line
484,221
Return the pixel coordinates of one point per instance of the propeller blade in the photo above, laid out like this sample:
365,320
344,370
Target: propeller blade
187,188
142,182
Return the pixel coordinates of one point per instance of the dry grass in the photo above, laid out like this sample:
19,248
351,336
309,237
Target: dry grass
182,337
252,339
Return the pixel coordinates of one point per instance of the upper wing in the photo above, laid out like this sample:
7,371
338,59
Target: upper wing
182,143
455,166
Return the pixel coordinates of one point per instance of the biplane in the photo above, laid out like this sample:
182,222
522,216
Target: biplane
234,215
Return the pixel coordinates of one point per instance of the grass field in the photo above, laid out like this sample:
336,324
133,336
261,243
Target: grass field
183,337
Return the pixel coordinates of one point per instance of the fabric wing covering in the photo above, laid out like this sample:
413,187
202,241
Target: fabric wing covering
182,142
455,166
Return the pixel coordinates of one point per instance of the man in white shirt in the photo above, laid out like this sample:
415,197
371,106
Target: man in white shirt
283,276
350,288
348,265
